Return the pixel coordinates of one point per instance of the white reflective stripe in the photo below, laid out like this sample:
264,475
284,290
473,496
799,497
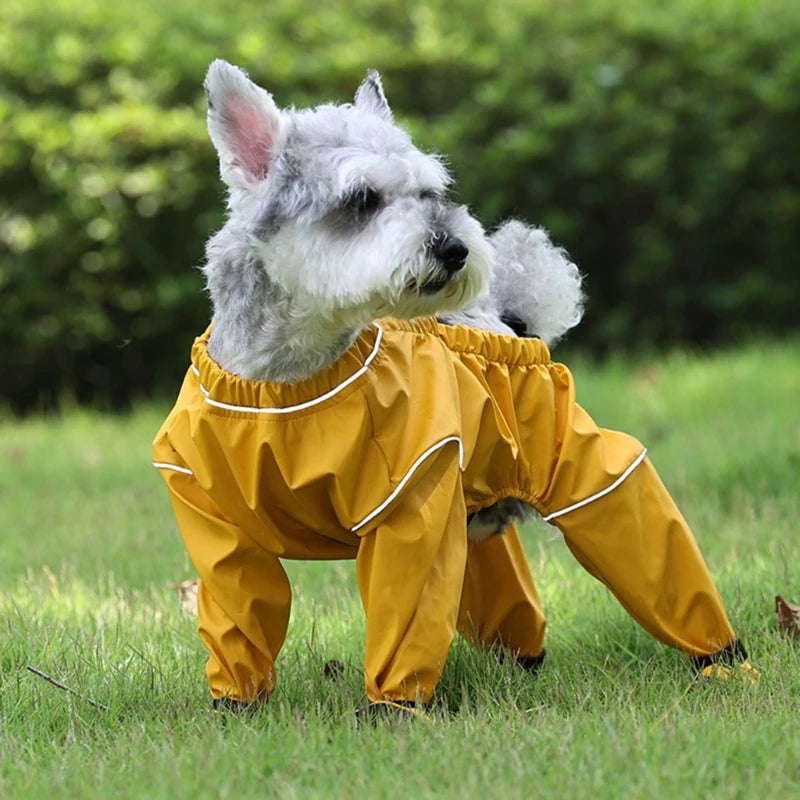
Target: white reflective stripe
300,406
407,477
175,467
638,460
195,370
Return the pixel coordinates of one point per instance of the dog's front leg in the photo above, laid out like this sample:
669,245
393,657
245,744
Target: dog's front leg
243,599
410,574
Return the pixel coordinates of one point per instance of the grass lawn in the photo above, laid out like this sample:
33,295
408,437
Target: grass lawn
89,553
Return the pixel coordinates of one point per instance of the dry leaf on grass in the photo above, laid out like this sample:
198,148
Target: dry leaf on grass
788,617
187,593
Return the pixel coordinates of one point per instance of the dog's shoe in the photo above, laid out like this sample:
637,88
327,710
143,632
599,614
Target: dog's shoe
390,710
743,672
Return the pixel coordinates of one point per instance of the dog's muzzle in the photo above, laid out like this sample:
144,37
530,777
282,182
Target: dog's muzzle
450,254
449,251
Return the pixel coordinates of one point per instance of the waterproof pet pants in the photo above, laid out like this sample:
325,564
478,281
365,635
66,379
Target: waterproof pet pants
381,458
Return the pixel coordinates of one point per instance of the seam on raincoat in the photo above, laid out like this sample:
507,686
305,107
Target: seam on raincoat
409,472
298,407
375,440
174,467
581,503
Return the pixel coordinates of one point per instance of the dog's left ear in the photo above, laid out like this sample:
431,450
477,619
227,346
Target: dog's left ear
370,96
244,123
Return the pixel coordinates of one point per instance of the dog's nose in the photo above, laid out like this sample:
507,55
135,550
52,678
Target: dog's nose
450,252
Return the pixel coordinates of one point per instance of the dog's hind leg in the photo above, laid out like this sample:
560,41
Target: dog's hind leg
500,607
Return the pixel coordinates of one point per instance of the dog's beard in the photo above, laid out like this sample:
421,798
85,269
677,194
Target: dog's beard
423,287
431,290
387,270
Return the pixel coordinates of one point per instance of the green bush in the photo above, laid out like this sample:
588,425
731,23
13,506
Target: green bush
656,142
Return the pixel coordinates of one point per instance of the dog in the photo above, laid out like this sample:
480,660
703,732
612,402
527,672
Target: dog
364,193
347,216
376,384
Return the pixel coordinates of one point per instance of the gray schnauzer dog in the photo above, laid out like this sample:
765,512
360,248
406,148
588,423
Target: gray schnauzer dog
327,414
337,219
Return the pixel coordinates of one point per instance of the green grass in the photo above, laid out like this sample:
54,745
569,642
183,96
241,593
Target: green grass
89,549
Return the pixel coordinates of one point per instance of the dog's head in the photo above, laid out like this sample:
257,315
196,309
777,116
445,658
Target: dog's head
345,214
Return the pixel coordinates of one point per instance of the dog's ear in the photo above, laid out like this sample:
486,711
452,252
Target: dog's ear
243,122
370,96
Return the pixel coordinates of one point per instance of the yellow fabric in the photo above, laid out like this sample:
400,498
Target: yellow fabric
380,458
499,601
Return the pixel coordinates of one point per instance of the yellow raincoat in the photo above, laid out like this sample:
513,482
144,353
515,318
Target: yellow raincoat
381,458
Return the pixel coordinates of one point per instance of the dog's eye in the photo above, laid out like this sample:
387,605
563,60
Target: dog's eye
363,202
430,194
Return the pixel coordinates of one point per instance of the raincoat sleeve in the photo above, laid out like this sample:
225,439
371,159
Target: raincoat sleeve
244,596
621,523
500,605
410,568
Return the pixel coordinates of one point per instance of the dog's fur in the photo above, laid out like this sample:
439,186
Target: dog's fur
336,219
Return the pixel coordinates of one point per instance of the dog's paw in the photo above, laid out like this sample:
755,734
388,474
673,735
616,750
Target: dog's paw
391,711
743,672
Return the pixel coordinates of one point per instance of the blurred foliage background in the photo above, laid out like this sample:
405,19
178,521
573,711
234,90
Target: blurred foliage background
657,141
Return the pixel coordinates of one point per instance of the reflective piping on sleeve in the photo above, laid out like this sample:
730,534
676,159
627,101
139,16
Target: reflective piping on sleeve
638,460
399,488
175,467
300,406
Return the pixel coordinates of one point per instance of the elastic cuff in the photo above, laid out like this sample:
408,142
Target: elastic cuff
731,655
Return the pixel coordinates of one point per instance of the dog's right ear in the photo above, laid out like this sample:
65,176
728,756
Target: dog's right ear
243,122
370,96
